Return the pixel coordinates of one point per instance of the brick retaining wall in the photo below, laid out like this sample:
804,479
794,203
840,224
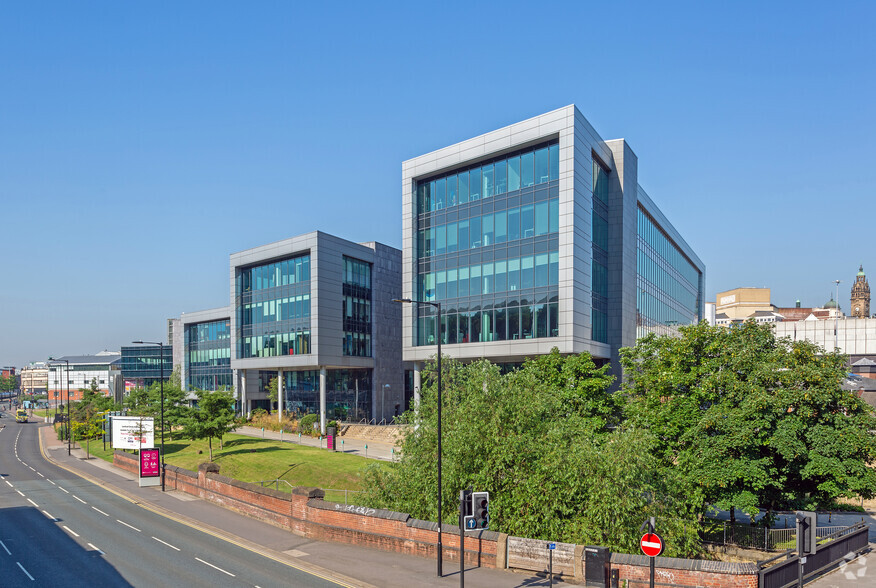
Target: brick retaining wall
305,513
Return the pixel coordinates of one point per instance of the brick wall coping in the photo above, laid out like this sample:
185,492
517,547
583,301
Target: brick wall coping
249,486
180,471
694,565
378,513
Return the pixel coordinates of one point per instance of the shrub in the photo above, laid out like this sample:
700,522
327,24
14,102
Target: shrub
305,424
259,412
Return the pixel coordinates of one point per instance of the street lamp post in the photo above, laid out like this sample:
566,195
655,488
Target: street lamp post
69,428
161,384
437,305
836,318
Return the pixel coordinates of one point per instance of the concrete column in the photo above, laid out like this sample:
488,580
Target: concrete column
322,402
417,384
281,395
244,401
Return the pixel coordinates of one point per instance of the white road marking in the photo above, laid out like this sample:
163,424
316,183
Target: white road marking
100,511
127,525
33,503
6,548
40,475
20,492
79,499
215,567
52,483
166,543
31,469
25,571
10,485
60,488
96,549
50,516
72,532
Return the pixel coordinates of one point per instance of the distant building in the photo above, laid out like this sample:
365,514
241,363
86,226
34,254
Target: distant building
35,378
142,365
860,302
741,303
79,371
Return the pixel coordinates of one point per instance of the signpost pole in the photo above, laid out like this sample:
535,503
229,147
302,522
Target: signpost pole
462,539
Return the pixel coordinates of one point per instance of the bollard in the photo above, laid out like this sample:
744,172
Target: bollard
263,432
299,438
366,455
393,454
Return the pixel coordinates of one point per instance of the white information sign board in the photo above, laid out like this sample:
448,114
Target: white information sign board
132,432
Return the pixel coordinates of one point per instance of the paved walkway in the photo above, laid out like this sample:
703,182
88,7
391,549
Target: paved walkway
371,566
372,449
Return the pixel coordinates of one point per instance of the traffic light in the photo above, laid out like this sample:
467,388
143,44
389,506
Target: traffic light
806,540
480,502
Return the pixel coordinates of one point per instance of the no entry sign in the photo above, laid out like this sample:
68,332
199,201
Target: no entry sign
652,544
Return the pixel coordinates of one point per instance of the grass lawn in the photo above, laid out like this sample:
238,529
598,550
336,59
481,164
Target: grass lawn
251,459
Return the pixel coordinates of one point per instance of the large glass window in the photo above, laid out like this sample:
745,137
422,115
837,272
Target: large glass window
207,355
272,306
669,286
357,307
499,235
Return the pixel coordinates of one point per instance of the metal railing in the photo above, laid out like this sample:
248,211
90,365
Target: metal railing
762,538
331,494
833,548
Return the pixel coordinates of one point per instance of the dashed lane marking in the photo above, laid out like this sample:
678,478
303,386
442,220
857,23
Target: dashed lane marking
51,518
71,531
91,545
5,548
79,499
25,571
215,567
127,525
166,543
33,503
100,511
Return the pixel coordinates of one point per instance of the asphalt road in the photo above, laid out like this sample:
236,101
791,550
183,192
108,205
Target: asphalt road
61,530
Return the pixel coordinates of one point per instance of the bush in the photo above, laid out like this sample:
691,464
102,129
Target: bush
259,412
305,424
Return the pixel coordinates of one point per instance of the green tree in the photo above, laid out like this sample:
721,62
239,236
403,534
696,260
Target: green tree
147,402
273,396
544,441
213,417
749,420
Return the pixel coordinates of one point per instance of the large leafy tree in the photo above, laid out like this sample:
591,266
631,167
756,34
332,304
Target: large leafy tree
749,420
544,442
212,418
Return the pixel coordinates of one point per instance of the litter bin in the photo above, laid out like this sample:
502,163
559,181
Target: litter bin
597,566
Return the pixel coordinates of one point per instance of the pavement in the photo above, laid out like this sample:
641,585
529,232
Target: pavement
371,449
371,567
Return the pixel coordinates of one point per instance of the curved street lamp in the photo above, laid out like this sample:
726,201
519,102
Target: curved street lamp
69,428
438,306
161,371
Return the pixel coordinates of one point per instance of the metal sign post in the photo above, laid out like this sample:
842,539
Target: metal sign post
551,547
463,498
652,545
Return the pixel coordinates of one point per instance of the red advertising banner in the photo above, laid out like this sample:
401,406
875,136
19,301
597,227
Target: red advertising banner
150,463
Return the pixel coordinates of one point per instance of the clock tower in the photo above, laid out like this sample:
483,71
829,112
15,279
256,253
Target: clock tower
860,296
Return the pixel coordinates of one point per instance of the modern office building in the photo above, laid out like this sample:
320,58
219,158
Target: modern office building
206,356
34,378
143,365
316,312
534,236
74,373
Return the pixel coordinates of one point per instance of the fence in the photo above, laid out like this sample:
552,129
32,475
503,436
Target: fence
762,538
832,548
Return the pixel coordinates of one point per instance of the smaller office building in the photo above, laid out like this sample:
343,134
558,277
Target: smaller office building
144,365
74,373
317,313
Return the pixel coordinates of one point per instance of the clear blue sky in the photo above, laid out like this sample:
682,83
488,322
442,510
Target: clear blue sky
142,143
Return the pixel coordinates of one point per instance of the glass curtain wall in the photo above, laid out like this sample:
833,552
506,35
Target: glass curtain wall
487,249
273,308
348,393
357,307
599,286
208,355
669,287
